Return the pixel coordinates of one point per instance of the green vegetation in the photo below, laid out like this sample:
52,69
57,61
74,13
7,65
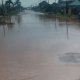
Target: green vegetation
12,13
11,8
38,10
54,8
47,8
61,15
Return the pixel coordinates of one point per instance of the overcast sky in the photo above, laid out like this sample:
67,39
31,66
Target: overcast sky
27,3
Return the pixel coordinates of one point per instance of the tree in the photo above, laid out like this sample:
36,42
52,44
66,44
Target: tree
55,7
17,4
8,5
43,4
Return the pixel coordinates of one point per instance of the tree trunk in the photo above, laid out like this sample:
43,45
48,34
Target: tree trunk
9,6
2,7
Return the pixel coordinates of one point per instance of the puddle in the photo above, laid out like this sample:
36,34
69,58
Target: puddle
70,57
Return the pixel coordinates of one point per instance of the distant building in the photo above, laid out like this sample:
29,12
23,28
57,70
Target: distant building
64,5
74,7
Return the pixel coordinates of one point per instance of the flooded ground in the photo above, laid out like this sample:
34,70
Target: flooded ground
36,46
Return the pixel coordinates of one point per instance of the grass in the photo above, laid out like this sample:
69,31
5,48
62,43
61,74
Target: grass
58,15
39,10
64,15
12,13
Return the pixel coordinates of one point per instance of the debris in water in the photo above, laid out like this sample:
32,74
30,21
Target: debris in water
70,57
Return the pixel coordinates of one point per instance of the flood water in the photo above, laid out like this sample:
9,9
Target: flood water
33,46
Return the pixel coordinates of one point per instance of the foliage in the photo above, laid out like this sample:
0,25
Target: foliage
46,7
15,12
61,15
10,7
17,4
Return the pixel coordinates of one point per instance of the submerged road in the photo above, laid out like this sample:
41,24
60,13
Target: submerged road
37,46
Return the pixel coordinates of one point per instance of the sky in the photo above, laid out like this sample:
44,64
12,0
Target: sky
27,3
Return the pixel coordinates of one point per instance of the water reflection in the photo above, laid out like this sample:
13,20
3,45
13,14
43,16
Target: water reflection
6,21
4,29
55,25
58,22
10,21
67,27
18,18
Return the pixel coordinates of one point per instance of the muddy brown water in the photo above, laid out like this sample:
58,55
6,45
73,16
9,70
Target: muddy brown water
33,46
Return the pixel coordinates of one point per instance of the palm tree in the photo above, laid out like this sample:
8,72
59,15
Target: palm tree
8,5
18,4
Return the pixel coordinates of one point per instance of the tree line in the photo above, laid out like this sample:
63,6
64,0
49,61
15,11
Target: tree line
9,6
46,7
